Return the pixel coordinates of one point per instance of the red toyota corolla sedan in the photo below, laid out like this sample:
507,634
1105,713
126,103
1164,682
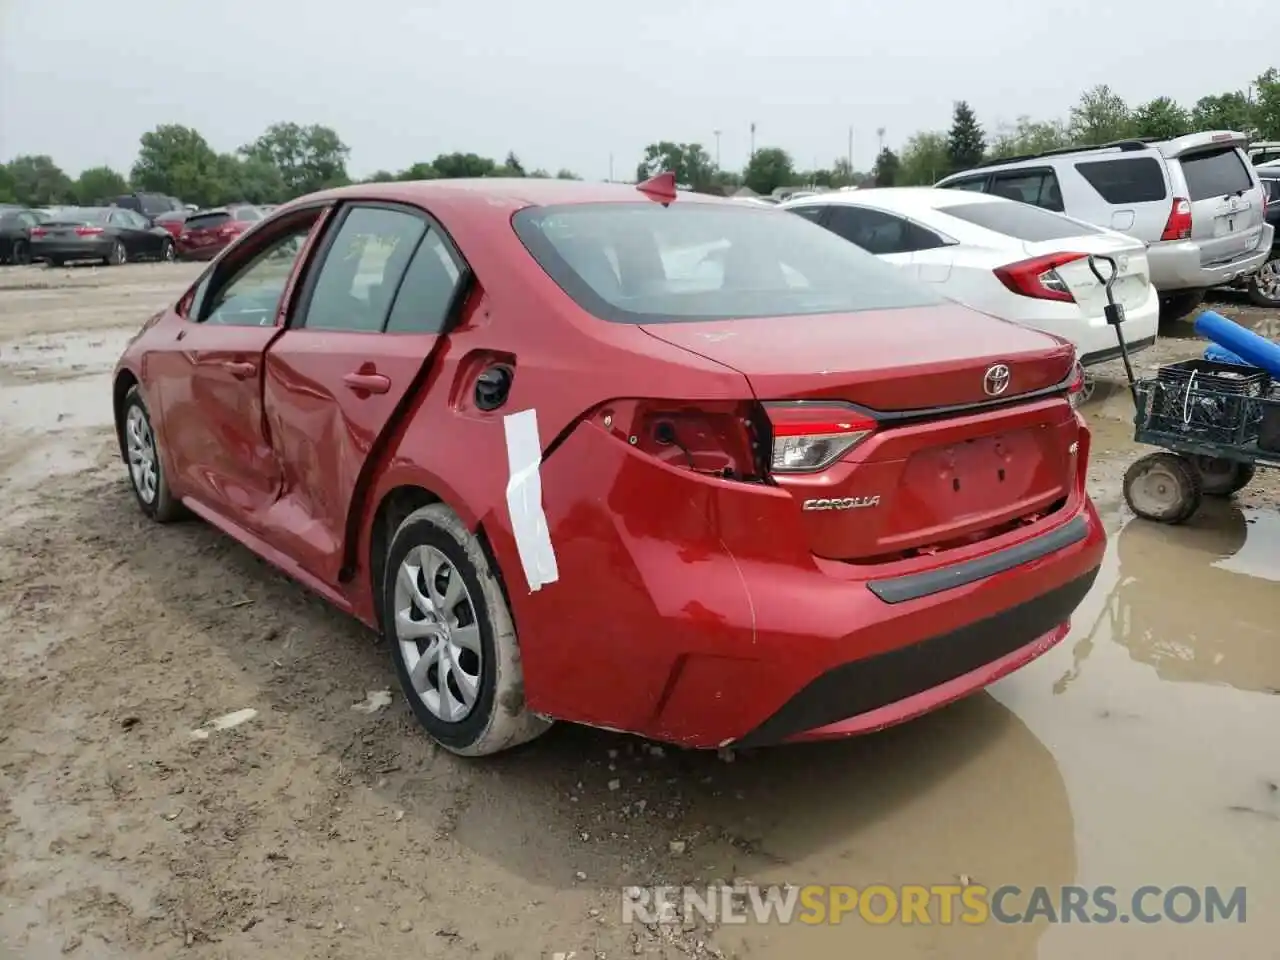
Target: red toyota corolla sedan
647,461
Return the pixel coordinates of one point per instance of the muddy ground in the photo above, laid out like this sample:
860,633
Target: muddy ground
1144,750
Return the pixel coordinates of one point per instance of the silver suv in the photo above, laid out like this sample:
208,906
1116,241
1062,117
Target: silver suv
1195,200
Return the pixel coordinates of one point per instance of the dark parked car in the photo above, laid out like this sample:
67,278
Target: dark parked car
113,235
15,233
1263,287
205,234
150,205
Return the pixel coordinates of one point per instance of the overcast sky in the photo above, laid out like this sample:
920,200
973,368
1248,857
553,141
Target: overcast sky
567,83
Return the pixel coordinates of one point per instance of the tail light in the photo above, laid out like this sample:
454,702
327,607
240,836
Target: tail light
1075,390
88,231
811,436
1038,277
1178,226
38,232
717,438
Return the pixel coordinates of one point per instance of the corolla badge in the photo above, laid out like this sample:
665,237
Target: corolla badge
996,379
841,503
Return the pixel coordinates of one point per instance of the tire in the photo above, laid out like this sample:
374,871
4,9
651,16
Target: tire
20,254
1163,487
137,438
433,540
167,252
1178,306
118,256
1220,477
1264,286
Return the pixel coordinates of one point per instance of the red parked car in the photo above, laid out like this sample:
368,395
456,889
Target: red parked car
173,221
659,463
205,234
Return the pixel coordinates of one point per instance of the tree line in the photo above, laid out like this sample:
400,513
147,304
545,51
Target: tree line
1099,116
286,161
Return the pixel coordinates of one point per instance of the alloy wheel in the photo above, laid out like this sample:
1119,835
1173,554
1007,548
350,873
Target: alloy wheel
1267,280
141,447
438,634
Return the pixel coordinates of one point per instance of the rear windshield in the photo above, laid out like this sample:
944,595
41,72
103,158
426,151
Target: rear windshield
644,263
203,221
1215,173
170,215
80,215
1019,220
1131,180
244,214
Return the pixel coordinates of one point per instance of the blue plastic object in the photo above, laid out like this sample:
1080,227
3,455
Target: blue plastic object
1217,354
1248,346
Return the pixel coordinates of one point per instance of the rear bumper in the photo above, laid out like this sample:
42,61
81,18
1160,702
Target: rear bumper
70,249
1097,342
692,610
1175,264
186,251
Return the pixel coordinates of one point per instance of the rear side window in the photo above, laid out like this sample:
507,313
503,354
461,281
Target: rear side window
426,292
1131,180
1019,220
880,233
207,221
643,263
1272,186
1215,173
813,212
1036,187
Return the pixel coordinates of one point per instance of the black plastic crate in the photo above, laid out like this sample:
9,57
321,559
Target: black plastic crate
1210,376
1189,410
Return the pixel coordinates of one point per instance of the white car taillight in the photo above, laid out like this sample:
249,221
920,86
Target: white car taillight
811,436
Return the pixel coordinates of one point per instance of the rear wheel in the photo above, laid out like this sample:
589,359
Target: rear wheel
1178,306
452,639
1163,487
142,457
1264,286
21,253
167,252
1220,477
118,255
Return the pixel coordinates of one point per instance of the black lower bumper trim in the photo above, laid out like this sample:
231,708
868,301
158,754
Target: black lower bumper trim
917,585
864,685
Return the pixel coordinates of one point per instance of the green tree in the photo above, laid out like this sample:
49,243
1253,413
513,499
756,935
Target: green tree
1099,116
417,171
925,160
1027,136
539,174
38,181
691,164
98,184
1161,118
1264,116
309,158
454,166
566,174
7,185
885,172
382,176
252,179
966,143
1224,111
512,167
177,160
768,169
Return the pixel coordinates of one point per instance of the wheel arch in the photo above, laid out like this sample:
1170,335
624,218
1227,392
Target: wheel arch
125,381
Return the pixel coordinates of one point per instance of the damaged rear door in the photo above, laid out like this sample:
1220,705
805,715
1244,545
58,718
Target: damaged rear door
359,341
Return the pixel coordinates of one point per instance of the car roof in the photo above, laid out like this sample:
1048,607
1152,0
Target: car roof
904,200
507,194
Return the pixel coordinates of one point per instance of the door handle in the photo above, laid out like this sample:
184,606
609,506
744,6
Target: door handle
240,369
367,382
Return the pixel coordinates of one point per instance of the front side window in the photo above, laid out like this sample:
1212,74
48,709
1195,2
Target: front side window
362,269
251,297
644,263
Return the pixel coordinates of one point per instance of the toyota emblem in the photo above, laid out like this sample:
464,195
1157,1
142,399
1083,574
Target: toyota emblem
996,380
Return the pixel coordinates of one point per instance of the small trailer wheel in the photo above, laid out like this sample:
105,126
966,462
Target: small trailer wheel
1163,487
1220,477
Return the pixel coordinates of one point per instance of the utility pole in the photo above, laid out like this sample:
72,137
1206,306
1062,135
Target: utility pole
850,154
717,133
880,137
753,139
611,168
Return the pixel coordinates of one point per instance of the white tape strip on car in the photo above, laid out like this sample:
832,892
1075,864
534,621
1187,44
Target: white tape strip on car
524,499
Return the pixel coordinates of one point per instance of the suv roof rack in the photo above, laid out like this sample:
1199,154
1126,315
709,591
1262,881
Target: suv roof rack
1128,145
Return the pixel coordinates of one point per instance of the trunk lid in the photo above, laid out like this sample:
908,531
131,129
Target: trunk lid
886,360
1133,271
920,483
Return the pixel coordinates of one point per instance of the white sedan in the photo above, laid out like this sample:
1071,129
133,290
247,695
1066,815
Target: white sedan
1009,259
